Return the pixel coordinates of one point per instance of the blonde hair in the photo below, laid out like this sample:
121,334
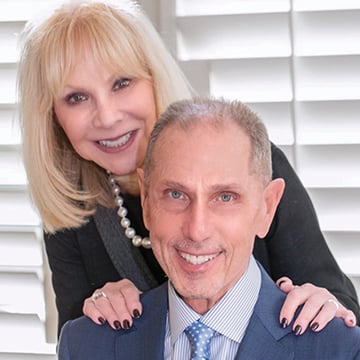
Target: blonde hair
64,187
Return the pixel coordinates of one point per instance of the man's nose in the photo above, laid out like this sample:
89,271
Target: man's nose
198,221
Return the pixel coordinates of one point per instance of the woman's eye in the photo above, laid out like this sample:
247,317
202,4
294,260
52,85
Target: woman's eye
76,98
226,197
121,83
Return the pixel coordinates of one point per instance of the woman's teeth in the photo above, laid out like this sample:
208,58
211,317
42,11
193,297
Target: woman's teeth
197,260
116,143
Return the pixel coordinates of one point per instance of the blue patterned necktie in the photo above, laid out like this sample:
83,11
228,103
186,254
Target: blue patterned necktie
200,336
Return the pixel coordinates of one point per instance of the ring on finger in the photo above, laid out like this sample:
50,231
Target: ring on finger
97,294
332,301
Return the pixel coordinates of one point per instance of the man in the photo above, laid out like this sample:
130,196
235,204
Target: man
206,193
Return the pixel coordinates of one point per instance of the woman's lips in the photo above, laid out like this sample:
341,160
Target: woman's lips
118,142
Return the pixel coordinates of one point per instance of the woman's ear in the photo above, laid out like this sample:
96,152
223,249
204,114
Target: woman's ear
143,195
272,196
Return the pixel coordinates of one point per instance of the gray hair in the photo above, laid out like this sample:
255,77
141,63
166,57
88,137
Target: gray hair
186,114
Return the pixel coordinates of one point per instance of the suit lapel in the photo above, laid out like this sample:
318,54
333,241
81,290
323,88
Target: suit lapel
263,334
259,344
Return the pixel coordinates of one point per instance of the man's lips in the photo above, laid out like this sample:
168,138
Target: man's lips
198,259
118,142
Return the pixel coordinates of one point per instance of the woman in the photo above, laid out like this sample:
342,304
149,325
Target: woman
93,78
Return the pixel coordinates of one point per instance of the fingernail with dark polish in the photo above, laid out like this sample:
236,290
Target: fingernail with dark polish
101,320
117,325
126,324
314,326
136,313
284,323
297,330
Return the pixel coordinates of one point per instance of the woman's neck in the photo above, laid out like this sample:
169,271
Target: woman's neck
128,183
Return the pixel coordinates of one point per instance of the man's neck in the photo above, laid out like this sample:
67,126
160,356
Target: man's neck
245,293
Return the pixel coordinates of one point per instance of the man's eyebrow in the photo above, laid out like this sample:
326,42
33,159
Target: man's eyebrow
226,186
173,184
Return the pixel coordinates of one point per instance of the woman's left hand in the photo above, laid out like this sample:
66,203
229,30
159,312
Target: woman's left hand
319,307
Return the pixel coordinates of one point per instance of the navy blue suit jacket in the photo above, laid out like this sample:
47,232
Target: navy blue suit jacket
81,339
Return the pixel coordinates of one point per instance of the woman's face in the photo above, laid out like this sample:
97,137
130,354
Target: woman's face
107,118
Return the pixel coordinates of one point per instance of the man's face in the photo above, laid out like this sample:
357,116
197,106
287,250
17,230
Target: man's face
204,208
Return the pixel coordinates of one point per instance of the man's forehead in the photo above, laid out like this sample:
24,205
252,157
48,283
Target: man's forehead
199,126
202,153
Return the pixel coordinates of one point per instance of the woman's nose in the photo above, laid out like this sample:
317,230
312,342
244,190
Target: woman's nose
108,112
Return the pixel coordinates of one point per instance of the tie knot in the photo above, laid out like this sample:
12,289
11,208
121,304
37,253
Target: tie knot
200,336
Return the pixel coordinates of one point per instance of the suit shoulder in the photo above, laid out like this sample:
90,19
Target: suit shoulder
335,341
80,339
82,323
337,328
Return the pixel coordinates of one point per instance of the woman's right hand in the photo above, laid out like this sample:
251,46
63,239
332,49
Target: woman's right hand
116,302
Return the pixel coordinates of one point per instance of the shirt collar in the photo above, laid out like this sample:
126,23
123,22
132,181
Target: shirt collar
229,317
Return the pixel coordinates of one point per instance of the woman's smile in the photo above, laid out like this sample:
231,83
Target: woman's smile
117,143
116,119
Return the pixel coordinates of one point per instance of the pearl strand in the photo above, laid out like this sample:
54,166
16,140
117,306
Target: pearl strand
125,223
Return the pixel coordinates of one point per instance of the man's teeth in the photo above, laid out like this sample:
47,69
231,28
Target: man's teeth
116,143
197,260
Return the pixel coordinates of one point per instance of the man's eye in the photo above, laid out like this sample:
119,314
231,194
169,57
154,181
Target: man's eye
226,197
175,194
76,98
121,83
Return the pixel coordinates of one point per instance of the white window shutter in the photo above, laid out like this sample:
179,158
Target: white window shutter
296,62
23,271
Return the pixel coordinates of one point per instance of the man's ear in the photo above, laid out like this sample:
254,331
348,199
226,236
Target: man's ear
143,195
272,196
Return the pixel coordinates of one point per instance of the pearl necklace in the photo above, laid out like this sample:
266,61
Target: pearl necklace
125,223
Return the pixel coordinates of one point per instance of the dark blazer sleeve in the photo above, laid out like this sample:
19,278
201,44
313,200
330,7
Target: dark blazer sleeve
79,264
295,246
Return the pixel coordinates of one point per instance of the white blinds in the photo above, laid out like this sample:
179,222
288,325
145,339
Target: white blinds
296,63
22,275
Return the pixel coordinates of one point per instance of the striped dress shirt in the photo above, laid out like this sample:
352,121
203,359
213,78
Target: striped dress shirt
229,318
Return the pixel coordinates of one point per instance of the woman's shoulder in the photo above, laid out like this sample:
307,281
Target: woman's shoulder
281,165
87,230
277,153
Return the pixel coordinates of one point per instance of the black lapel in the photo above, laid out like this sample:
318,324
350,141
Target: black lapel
126,258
